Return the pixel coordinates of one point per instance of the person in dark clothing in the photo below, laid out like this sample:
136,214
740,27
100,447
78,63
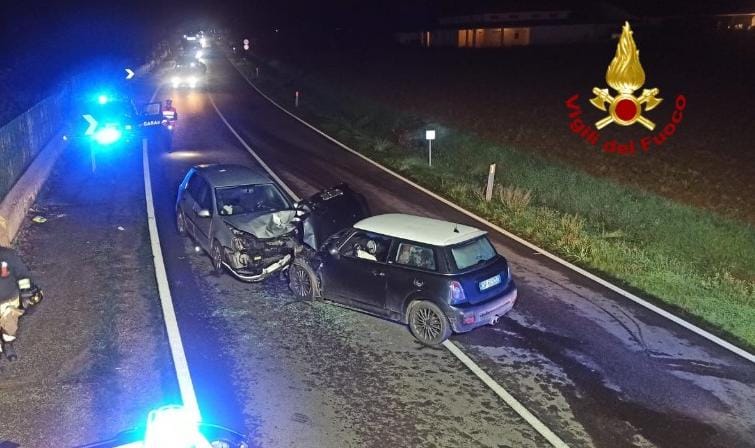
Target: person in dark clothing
17,293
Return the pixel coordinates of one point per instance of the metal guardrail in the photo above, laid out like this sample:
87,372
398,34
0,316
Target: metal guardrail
22,138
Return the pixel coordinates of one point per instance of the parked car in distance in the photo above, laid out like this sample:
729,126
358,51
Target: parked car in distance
251,227
436,276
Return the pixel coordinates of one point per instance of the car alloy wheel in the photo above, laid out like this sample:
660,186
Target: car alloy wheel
428,323
217,258
302,280
180,223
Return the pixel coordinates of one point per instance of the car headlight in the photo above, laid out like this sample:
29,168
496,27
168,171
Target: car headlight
238,243
193,81
107,136
175,80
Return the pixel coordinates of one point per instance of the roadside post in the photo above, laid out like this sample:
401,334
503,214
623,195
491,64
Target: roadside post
491,182
92,125
296,99
430,136
257,72
92,156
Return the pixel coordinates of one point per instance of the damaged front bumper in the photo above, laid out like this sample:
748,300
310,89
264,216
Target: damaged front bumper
258,276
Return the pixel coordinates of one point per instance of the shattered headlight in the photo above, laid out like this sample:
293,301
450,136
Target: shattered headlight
239,240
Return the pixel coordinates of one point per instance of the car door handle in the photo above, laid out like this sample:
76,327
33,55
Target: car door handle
377,273
418,283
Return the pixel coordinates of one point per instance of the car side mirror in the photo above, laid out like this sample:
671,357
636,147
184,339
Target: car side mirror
333,251
204,213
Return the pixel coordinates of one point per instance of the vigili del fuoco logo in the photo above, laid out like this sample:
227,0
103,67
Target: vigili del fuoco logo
625,75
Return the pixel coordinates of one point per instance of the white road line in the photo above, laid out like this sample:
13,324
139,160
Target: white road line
185,385
513,403
500,391
254,154
642,302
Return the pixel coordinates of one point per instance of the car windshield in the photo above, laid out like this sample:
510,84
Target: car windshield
478,250
249,199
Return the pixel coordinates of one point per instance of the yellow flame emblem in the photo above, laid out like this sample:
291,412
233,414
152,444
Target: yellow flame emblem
625,75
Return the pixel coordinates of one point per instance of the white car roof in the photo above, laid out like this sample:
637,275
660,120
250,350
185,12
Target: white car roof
420,229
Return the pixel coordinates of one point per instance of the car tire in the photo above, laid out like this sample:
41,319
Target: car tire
216,255
428,323
180,223
302,280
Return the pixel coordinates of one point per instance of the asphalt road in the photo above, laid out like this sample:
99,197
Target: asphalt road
597,369
594,367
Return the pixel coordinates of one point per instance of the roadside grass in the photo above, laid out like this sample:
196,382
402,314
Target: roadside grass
693,261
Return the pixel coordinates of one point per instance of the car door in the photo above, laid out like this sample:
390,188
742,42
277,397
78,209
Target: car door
413,270
151,114
198,199
357,275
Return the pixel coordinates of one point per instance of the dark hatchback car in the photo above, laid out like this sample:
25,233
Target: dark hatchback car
438,277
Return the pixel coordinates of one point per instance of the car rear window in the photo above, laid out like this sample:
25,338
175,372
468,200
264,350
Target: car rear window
476,251
416,256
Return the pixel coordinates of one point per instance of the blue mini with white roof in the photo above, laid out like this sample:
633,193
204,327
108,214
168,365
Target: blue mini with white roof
436,276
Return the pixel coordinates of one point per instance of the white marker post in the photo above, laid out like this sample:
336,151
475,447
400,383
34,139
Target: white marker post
430,136
296,99
257,71
491,181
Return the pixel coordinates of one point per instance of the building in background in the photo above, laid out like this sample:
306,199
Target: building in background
523,25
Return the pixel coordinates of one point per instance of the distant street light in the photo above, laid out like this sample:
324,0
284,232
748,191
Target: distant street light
430,136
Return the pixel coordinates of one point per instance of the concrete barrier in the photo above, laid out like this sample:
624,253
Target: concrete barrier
18,200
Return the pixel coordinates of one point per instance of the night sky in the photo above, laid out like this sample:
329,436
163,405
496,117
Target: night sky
42,36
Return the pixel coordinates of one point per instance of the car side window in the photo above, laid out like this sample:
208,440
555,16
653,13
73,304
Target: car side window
200,192
416,256
205,196
367,246
193,187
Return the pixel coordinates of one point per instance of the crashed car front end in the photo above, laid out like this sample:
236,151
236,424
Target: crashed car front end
266,246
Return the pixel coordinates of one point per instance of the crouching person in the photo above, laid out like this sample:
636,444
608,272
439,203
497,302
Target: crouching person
17,294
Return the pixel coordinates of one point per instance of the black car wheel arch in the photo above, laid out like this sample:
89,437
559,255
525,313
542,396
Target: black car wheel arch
428,323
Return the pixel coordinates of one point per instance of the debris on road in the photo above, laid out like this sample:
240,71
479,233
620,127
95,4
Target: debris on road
39,219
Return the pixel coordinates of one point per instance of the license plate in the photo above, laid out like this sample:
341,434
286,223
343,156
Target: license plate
489,283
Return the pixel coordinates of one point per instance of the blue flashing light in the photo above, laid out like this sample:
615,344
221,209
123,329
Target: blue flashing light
102,99
107,136
173,426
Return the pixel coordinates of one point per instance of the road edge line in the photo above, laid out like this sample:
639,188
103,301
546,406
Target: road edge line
605,283
180,363
512,402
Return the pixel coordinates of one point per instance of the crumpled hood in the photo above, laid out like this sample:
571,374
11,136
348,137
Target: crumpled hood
265,226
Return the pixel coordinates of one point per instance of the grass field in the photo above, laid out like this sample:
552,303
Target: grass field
673,225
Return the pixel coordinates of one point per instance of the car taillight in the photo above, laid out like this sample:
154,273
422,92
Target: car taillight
457,293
